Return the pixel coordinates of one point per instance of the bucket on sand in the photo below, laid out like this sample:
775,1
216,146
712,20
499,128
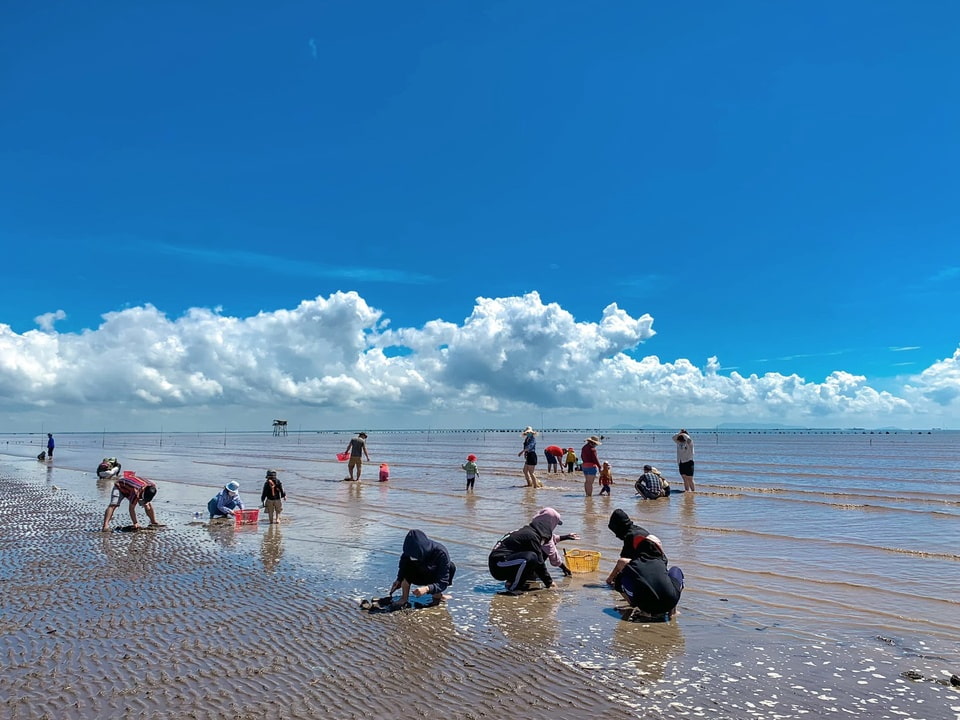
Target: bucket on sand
246,517
583,561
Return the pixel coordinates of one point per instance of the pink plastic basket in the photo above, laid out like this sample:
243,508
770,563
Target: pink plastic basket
343,457
247,517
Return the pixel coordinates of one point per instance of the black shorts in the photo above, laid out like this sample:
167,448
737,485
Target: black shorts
686,468
531,458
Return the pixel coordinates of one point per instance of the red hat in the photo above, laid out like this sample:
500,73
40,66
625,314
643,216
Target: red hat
471,457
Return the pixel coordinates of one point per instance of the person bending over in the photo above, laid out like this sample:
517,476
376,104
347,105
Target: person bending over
357,447
550,547
137,491
425,569
518,556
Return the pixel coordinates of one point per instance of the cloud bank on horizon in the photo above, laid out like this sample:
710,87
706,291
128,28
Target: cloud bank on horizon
335,361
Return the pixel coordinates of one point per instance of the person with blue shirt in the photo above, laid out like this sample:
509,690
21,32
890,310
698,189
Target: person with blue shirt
50,445
226,502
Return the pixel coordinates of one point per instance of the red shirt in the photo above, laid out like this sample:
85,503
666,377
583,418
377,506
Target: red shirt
588,455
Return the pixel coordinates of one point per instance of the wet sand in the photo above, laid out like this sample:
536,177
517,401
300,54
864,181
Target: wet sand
202,620
150,624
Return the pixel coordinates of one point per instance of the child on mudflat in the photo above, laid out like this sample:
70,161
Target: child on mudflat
606,478
470,468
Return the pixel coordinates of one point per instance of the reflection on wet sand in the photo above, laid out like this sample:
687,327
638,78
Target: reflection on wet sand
271,547
647,647
530,618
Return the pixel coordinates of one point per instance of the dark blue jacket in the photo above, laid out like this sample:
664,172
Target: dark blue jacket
424,562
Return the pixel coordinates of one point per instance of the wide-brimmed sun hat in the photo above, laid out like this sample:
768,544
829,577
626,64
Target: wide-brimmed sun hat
529,431
594,439
232,486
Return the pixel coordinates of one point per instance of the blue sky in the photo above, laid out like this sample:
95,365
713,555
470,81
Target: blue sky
774,184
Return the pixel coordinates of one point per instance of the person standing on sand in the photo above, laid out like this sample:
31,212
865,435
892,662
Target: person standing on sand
641,574
606,479
571,460
272,496
590,463
357,447
685,459
137,491
470,468
529,452
425,567
50,445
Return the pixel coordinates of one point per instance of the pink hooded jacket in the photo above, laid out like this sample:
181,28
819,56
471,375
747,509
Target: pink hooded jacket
550,547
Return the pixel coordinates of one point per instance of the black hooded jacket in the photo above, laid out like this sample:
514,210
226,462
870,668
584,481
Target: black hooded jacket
633,537
424,562
529,538
645,578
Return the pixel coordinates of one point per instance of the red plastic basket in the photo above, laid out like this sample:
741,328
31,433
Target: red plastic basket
343,457
247,517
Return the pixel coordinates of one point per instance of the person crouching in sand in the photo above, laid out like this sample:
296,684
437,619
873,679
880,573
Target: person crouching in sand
641,575
518,557
227,502
425,569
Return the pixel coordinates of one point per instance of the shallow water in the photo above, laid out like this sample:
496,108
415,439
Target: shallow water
819,566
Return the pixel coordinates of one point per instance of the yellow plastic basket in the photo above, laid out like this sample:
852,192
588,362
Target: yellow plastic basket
583,561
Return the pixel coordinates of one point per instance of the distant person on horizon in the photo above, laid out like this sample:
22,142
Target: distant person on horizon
137,491
470,468
357,447
529,453
590,463
685,459
50,446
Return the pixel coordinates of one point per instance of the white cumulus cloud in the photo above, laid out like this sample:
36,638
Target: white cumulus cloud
336,360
